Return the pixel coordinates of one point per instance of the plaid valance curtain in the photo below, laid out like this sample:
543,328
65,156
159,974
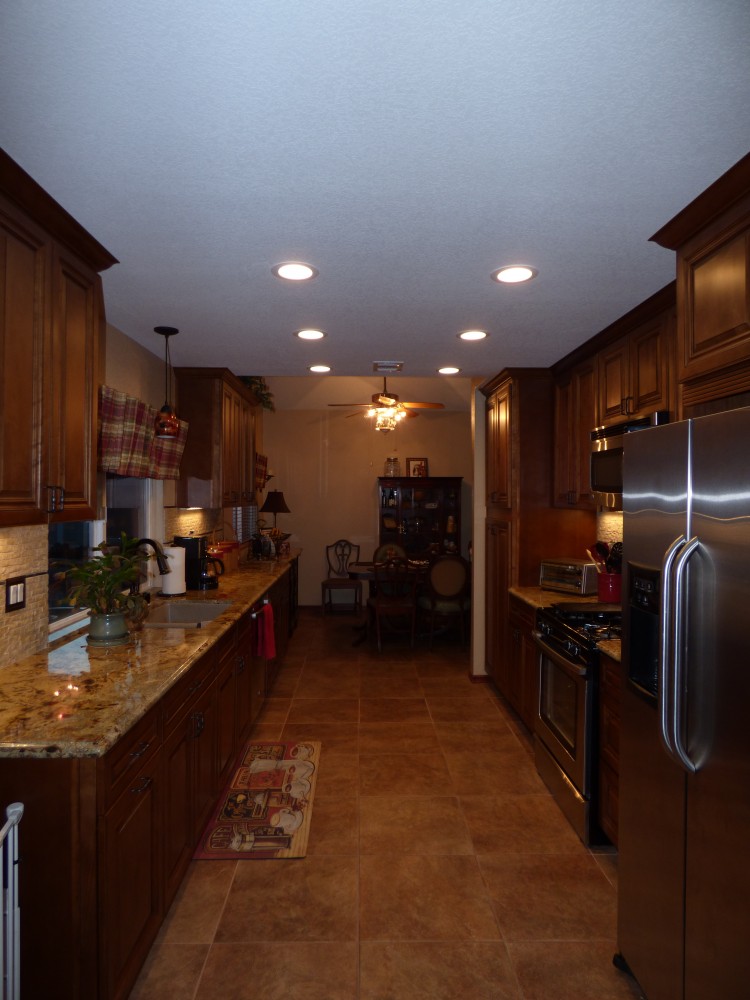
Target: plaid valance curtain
127,445
261,471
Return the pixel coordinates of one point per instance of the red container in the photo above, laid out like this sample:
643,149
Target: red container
610,587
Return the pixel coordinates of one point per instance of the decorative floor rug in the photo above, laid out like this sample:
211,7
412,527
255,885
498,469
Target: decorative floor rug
265,810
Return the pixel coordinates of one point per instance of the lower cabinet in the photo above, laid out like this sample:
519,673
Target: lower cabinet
106,842
609,745
130,878
523,674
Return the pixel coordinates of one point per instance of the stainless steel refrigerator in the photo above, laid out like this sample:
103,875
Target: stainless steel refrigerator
684,826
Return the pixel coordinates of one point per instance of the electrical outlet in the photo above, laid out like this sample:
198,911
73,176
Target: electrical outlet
15,593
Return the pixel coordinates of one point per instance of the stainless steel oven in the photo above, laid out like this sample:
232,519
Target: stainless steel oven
566,725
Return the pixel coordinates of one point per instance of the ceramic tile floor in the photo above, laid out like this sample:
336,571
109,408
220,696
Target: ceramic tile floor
438,865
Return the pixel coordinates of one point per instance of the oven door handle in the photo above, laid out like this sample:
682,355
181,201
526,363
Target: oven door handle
572,669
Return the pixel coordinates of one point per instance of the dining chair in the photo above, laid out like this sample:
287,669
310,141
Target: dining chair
339,556
388,551
394,597
446,592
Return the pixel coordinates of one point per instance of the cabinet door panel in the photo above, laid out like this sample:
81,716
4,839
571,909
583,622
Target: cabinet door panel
498,579
23,260
614,381
73,363
177,827
498,449
130,900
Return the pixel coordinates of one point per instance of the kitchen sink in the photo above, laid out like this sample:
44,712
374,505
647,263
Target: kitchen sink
185,614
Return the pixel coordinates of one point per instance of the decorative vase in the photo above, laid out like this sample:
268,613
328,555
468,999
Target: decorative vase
108,630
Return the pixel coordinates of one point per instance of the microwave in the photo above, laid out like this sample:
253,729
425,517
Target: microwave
606,457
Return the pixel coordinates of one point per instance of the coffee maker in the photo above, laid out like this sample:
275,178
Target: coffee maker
202,572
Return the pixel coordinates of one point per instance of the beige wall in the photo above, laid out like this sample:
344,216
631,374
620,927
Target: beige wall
327,463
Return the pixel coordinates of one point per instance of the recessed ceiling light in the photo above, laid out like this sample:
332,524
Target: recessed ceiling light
309,334
472,335
514,273
294,270
448,371
320,369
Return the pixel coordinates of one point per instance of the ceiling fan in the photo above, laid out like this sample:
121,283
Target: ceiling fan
388,409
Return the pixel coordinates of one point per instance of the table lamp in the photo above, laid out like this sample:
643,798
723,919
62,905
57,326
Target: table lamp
274,504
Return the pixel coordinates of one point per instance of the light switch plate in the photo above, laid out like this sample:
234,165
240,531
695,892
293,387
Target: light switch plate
15,593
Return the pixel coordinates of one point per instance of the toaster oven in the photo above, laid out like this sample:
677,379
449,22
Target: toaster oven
570,576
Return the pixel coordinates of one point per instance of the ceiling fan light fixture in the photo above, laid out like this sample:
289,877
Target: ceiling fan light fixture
514,274
309,334
294,270
472,335
448,370
385,421
320,369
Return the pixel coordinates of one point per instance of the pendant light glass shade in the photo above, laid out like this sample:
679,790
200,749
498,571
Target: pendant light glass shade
166,424
385,420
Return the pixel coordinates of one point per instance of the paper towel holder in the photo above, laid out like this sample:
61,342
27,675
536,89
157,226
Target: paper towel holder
176,578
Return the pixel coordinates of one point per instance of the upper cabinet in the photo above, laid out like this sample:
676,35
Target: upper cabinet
633,371
51,349
712,239
575,416
497,448
218,462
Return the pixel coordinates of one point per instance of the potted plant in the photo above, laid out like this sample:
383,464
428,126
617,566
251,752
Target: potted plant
107,585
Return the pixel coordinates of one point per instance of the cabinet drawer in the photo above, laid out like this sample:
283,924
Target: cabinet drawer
126,757
182,696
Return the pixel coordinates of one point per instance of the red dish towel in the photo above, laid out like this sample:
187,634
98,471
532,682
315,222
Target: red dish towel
266,638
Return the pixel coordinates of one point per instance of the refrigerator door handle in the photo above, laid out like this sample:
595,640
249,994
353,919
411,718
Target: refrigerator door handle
680,753
666,668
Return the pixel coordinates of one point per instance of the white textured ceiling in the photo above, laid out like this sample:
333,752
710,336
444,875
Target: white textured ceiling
404,147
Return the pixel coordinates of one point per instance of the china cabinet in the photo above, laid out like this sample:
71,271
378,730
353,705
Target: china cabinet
421,515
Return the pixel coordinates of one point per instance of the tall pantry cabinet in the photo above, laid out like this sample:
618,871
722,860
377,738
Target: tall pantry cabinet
51,353
522,526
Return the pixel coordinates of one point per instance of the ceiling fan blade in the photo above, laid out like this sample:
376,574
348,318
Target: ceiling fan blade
424,406
350,404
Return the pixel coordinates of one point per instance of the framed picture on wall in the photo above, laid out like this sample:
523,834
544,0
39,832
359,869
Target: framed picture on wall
416,468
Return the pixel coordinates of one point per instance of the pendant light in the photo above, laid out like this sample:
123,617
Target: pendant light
166,424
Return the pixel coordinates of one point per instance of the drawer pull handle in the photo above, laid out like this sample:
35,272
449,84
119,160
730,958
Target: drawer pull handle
142,786
142,748
199,724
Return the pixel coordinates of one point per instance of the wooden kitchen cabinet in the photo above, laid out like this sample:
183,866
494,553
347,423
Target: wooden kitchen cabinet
633,371
130,873
711,237
498,545
217,464
497,448
523,679
227,672
51,349
522,525
609,745
575,417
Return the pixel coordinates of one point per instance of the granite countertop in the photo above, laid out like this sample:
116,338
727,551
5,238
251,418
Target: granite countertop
76,700
537,598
